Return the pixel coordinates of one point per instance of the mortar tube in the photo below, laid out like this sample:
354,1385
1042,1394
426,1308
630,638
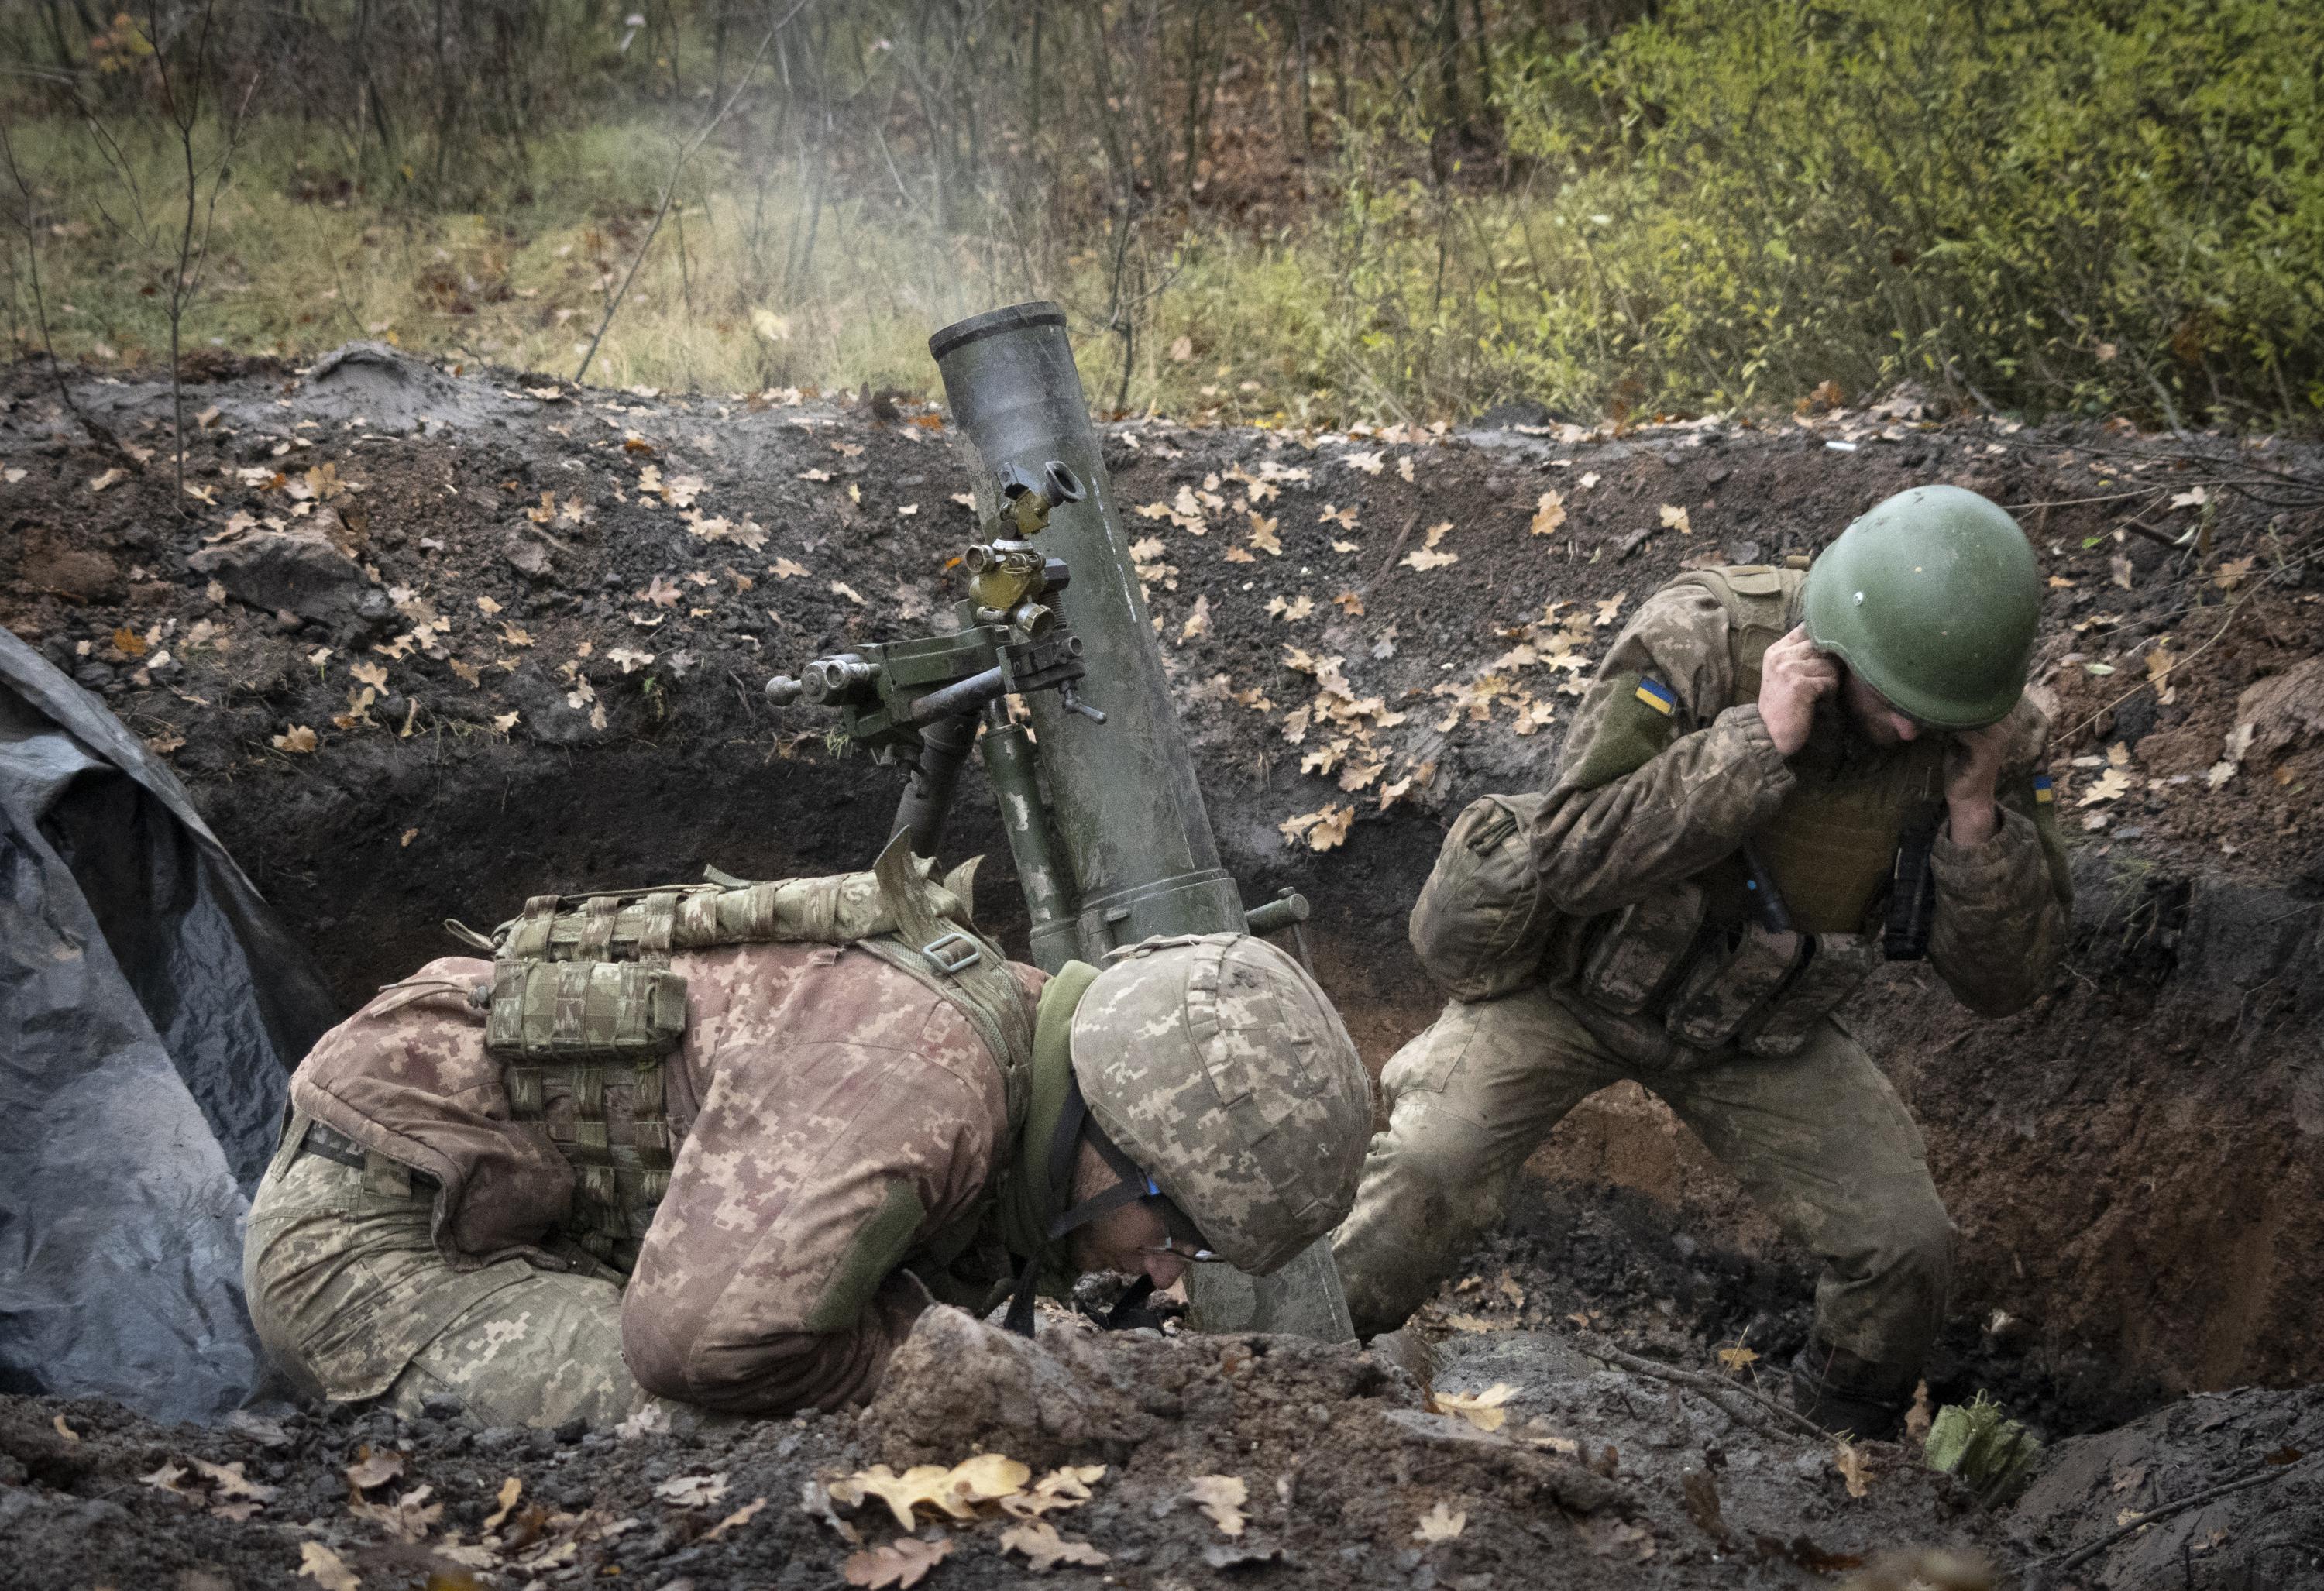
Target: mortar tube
944,745
1130,820
1130,817
1009,765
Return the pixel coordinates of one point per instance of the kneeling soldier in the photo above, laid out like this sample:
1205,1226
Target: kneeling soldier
1775,780
723,1144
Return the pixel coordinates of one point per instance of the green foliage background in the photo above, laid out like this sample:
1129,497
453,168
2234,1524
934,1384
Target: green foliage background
2026,205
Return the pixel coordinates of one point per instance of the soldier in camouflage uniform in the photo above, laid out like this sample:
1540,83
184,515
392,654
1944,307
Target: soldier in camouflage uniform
1772,778
750,1225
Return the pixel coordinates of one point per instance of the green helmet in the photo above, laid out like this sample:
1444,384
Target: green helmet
1933,598
1216,1064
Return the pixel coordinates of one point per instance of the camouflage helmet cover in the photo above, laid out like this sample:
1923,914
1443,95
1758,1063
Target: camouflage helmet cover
1933,598
1216,1063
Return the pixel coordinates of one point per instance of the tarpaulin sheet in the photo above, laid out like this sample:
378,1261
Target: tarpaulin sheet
150,1009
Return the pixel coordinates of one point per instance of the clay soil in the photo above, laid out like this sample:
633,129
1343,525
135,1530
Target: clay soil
564,602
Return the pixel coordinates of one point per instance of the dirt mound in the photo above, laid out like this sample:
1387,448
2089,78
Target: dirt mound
1322,1467
2224,1489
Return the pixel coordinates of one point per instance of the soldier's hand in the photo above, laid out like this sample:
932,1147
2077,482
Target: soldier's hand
1792,676
1973,766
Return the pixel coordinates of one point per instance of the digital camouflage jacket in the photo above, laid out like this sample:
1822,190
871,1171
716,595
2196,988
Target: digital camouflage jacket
1669,769
832,1119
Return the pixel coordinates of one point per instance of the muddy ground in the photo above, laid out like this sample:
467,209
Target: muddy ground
562,604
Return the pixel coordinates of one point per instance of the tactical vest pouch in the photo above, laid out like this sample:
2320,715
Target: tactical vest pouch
585,1011
1837,964
1483,919
1643,951
1727,985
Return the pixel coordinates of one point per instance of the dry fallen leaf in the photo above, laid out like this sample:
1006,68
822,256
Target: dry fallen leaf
1482,1410
1198,622
370,674
373,1467
1845,1459
167,1478
504,721
692,1491
1222,1497
1738,1358
99,483
1549,513
986,1478
409,1516
511,1490
1675,519
2109,784
736,1520
904,1563
1920,1417
1044,1550
1421,557
296,737
320,1564
64,1430
1441,1524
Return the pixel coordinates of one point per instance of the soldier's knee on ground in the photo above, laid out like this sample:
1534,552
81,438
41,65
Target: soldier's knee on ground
1424,1200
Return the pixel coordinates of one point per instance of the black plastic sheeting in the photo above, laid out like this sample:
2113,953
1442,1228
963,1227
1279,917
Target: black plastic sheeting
150,1010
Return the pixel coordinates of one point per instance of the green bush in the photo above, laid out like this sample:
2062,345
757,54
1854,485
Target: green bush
2048,203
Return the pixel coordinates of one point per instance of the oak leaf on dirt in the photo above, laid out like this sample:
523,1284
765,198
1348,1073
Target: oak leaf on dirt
1423,558
1045,1548
373,1467
511,1490
1263,536
1548,513
1847,1459
296,737
692,1491
1369,462
320,1564
784,569
1675,519
2107,787
1441,1524
736,1520
409,1516
1486,1410
1738,1359
1221,1496
505,722
902,1563
1198,622
841,588
1068,1488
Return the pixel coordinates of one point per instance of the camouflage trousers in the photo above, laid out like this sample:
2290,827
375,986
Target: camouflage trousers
351,1298
1820,1139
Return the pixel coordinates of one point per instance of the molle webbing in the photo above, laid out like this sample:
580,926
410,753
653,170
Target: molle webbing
584,1007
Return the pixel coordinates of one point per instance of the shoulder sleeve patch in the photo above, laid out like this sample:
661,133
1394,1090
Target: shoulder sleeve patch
1657,695
2044,795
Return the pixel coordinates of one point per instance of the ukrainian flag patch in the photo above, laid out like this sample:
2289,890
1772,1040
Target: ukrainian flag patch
1657,695
2043,794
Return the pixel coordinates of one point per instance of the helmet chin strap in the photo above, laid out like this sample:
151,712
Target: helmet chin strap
1074,1125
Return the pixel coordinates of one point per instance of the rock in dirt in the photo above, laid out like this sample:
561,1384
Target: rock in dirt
296,571
957,1385
2284,710
392,391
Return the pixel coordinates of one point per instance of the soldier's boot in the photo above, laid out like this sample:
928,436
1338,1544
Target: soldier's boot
1844,1393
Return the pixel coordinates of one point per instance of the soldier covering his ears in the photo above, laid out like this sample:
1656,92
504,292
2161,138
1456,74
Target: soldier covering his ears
723,1145
1776,781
